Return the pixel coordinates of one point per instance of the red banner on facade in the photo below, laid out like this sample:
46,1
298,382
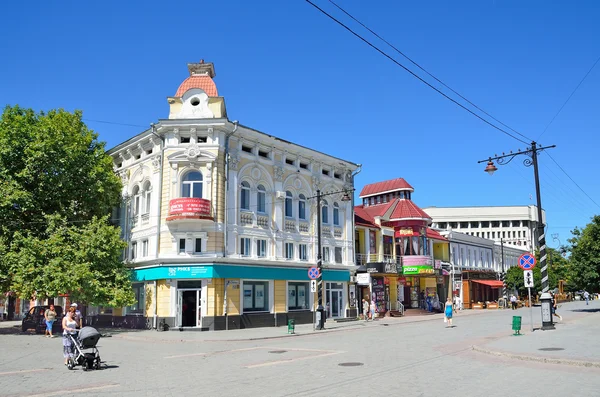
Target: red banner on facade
189,206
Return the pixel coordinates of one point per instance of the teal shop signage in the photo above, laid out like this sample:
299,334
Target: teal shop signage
232,271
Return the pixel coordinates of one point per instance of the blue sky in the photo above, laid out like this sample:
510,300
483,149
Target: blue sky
286,69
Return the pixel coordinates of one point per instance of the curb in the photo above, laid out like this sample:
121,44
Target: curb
546,360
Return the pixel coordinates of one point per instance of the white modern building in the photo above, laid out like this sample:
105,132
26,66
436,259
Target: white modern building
515,225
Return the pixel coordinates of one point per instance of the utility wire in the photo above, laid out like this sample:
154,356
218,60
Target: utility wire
115,123
568,176
572,93
413,73
423,69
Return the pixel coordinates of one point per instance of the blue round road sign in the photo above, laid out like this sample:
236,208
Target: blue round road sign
527,261
313,273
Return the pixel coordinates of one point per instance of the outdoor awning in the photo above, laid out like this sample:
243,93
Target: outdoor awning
490,283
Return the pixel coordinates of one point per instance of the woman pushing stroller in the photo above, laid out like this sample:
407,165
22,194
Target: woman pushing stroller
69,328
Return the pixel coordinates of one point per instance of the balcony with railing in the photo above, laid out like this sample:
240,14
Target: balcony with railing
290,226
145,219
337,232
326,231
304,227
246,218
262,221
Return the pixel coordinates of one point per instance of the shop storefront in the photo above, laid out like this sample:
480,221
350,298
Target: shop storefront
480,289
226,296
420,282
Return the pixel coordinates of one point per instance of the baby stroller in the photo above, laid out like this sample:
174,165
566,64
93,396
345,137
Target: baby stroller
86,339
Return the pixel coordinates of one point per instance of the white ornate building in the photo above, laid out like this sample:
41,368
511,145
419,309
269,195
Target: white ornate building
221,218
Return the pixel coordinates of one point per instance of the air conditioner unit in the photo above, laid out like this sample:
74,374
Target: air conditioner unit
280,195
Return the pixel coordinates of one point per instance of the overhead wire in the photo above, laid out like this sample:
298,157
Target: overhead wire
385,54
572,93
424,70
572,180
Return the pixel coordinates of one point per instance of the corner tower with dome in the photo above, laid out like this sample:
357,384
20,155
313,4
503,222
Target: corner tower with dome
220,219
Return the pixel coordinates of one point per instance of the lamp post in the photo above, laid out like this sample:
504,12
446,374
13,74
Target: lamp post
532,154
345,198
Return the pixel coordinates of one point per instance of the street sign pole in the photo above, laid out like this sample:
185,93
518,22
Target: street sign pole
530,309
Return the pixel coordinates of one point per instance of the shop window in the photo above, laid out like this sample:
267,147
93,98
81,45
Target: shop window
261,248
289,210
191,185
138,306
256,296
298,296
245,196
245,246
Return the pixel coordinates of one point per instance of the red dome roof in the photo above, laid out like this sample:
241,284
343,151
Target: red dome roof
203,82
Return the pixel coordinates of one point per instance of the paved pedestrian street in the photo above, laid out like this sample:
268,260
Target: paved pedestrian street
410,356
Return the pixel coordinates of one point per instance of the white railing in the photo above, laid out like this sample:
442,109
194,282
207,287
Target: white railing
400,307
290,226
262,221
145,218
246,218
304,227
337,232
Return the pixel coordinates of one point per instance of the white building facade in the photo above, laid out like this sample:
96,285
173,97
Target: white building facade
221,218
516,226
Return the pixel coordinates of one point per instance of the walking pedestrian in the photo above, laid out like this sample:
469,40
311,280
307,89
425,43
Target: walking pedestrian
69,328
373,309
365,307
50,317
586,295
513,301
554,307
448,313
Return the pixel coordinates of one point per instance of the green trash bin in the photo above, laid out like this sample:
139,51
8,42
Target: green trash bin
516,325
291,326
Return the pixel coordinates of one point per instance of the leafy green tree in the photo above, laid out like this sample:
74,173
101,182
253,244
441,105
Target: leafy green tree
514,281
585,256
58,185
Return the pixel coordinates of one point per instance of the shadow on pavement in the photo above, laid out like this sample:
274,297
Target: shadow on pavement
585,310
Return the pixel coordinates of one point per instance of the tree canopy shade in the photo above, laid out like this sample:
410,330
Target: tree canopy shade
57,186
585,256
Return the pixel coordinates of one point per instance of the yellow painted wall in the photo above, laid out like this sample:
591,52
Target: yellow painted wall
117,311
280,296
233,298
214,298
440,251
427,282
149,300
393,292
361,241
164,298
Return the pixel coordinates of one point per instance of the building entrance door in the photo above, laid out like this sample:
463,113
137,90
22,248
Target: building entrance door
335,300
189,304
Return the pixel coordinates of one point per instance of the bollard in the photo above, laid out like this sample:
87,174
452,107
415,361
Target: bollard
291,326
516,325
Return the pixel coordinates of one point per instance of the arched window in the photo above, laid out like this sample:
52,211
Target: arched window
191,185
137,200
336,214
302,207
147,197
261,199
245,196
325,212
289,210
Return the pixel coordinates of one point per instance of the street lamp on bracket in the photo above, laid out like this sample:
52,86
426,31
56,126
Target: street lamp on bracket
532,159
345,198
